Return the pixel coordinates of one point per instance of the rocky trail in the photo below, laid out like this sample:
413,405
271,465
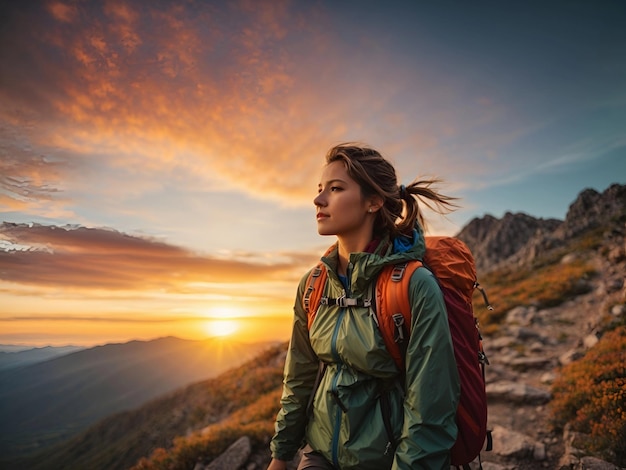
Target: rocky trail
524,359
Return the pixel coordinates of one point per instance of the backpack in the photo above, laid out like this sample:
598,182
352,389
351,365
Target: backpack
452,264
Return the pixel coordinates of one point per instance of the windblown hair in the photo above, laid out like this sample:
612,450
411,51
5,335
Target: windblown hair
377,177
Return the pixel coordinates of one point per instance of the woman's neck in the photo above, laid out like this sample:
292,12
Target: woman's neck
347,246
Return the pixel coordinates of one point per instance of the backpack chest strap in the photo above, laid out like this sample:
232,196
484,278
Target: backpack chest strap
344,301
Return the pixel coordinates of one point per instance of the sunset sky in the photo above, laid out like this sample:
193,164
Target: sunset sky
158,159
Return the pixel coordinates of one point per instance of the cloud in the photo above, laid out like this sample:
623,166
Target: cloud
95,258
25,175
243,95
181,86
248,96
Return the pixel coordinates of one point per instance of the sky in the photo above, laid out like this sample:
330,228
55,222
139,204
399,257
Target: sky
158,159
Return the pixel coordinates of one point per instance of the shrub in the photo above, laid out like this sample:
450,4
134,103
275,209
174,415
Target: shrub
591,395
542,285
255,421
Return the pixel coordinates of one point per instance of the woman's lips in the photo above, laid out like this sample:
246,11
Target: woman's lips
321,216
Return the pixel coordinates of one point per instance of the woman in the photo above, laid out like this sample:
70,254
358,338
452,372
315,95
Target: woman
376,223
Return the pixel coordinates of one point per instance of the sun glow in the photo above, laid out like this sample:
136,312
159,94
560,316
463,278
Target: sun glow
221,328
221,321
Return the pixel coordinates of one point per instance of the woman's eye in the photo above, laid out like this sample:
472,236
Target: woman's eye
335,188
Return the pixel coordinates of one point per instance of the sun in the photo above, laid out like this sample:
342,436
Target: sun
221,328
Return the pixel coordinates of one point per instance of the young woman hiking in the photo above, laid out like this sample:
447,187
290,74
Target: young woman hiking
376,222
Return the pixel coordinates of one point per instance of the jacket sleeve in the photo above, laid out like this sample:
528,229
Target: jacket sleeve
432,383
301,365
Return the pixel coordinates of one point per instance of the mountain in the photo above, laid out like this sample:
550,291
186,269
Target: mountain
50,401
24,357
245,397
517,239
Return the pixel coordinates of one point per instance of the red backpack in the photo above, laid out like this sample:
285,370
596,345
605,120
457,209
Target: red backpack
452,263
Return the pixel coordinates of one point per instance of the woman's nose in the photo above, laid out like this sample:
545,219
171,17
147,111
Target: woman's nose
319,200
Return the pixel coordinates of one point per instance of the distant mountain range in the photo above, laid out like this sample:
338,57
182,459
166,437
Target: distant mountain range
46,402
10,359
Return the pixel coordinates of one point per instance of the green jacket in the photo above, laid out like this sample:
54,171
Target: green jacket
346,424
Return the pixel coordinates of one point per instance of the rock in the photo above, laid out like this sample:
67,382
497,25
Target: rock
500,343
570,356
520,316
511,239
511,444
590,341
539,451
524,333
593,463
234,457
569,258
614,285
499,372
526,363
618,310
517,393
616,254
575,457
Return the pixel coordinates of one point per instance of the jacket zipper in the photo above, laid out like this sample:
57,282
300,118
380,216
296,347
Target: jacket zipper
341,365
334,391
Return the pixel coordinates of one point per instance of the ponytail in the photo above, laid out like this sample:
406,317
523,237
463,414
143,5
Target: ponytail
421,190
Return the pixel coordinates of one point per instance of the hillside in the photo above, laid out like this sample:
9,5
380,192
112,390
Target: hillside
558,294
235,402
50,401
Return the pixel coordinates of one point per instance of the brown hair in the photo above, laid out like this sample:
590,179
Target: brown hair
377,177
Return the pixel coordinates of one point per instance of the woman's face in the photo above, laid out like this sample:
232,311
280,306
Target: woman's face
341,208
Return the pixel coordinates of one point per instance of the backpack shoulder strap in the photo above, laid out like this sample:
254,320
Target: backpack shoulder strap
312,296
393,309
315,283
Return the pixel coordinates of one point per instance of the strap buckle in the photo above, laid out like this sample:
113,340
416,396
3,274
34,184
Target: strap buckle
398,272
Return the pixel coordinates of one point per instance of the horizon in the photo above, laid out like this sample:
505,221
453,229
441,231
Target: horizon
10,348
158,162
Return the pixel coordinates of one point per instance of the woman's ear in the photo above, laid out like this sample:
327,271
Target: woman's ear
375,203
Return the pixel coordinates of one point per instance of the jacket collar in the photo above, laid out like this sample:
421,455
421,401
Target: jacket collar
367,265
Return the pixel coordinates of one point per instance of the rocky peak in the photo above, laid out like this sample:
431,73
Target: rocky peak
593,209
496,241
518,238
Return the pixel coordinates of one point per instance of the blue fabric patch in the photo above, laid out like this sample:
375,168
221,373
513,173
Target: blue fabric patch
403,243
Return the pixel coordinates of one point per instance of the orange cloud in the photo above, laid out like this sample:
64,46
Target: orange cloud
62,11
80,257
241,95
215,90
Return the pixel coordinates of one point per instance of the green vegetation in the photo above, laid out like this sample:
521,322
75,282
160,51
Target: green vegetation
590,394
545,283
